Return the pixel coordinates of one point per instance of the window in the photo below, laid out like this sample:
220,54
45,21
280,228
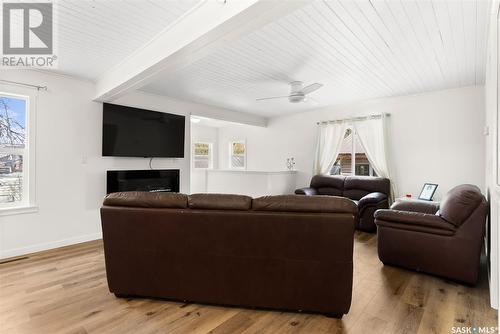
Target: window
352,159
13,150
203,155
237,154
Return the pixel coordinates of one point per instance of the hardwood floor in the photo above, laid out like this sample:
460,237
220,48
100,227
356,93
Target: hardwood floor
65,291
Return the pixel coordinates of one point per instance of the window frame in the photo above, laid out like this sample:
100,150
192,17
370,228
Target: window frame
28,202
210,155
354,134
231,143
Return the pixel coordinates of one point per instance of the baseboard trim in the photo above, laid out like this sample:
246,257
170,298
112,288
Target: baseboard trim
48,245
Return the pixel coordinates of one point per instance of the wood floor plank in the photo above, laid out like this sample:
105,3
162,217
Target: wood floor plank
237,323
65,291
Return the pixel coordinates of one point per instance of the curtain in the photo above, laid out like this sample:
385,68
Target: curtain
372,134
328,144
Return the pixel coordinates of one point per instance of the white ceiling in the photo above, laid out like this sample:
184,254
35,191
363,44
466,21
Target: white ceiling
357,49
94,35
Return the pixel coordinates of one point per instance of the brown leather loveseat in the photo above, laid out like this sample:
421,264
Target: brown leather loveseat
280,252
369,194
443,239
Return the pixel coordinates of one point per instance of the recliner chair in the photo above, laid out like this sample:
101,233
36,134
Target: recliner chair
369,194
444,240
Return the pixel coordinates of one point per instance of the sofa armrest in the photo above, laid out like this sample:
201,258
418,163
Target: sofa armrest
306,191
416,206
372,198
413,221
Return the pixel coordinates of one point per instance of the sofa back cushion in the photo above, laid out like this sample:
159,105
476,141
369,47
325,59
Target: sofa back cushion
331,185
329,191
356,187
219,202
147,199
459,203
297,203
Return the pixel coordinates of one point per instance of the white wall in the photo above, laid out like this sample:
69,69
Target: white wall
436,137
256,145
68,192
204,134
492,89
70,171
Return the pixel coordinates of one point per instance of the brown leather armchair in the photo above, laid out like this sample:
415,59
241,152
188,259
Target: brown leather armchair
443,240
369,194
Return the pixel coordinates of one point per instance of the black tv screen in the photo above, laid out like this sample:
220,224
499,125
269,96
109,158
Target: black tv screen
133,132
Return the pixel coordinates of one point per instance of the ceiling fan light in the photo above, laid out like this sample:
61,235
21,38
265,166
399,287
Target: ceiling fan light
295,98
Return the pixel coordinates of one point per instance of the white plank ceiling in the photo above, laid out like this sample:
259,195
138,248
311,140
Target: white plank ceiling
357,49
94,35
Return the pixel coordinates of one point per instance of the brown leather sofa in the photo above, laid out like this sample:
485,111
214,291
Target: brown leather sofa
369,194
279,252
444,240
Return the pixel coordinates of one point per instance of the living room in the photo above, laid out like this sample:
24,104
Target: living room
274,100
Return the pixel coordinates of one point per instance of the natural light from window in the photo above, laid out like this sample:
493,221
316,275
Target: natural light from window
352,159
13,149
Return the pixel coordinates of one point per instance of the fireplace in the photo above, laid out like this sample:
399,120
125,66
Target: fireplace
157,180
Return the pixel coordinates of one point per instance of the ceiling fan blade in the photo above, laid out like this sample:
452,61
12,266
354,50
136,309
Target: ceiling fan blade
271,98
311,88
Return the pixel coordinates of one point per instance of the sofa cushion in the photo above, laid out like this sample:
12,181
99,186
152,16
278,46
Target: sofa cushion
297,203
405,218
356,187
459,203
328,181
330,191
416,206
219,202
145,199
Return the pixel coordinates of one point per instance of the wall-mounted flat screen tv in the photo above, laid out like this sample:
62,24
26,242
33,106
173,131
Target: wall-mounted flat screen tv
133,132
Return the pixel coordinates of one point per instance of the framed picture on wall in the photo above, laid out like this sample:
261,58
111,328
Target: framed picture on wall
203,155
238,154
428,191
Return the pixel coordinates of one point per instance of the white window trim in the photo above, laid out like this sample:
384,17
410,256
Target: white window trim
241,141
210,155
28,204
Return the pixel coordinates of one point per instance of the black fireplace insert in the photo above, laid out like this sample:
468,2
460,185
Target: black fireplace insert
154,180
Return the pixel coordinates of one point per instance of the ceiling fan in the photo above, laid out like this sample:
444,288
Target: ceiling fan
298,92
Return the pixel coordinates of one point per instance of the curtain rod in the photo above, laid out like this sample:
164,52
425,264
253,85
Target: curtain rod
24,84
353,119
